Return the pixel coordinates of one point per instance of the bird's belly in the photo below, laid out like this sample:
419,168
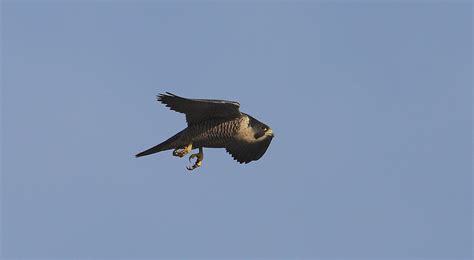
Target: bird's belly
211,143
212,134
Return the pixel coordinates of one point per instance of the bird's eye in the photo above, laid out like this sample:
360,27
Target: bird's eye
264,128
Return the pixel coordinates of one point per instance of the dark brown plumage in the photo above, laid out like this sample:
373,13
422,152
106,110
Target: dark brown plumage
214,124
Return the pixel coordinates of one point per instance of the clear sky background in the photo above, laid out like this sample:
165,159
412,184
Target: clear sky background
370,103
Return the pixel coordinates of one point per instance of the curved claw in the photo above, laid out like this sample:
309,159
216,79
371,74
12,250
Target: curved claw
192,156
182,151
194,166
178,152
198,162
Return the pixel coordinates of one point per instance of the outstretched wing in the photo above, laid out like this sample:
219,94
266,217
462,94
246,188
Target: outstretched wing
198,110
246,152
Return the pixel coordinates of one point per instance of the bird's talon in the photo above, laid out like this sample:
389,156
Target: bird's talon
194,166
192,156
180,152
198,162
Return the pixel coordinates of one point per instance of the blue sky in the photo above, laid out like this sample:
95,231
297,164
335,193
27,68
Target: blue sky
370,103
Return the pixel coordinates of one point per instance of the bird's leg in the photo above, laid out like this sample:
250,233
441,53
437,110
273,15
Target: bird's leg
200,157
183,151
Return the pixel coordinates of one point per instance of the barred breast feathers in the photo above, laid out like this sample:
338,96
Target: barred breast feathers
213,133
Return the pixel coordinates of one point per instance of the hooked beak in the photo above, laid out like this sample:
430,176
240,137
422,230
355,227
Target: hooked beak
269,132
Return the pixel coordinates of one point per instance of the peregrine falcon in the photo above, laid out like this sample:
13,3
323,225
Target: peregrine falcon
214,124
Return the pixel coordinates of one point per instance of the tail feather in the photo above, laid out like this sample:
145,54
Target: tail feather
166,145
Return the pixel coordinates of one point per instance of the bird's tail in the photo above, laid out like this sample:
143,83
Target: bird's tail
166,145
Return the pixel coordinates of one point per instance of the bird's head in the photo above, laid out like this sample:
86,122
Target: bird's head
261,131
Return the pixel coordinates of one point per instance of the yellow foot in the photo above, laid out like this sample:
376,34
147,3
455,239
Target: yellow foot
182,152
198,163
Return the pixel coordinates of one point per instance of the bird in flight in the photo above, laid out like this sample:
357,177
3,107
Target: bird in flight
214,124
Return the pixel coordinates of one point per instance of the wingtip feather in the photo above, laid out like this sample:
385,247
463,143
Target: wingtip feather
171,94
162,96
